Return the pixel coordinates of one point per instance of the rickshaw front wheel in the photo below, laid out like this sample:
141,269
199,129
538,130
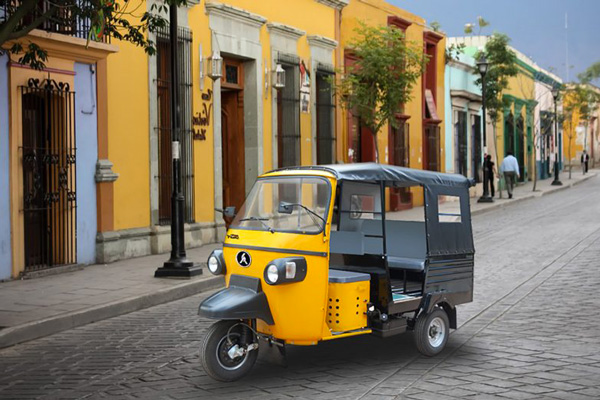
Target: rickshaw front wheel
431,332
223,354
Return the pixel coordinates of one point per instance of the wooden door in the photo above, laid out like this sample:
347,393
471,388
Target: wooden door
234,165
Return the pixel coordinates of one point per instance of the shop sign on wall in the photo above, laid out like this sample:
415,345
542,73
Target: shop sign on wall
201,120
304,88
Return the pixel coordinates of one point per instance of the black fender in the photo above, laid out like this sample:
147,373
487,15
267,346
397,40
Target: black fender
243,299
443,300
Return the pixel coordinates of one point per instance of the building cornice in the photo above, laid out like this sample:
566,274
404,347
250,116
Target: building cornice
322,41
235,13
465,95
285,30
69,47
337,4
399,22
432,37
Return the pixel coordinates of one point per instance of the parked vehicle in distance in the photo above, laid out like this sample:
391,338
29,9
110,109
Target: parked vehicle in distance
311,257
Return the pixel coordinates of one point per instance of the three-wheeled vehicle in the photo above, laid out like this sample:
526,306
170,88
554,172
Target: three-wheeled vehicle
312,256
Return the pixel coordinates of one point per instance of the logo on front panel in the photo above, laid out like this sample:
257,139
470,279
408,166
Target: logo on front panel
243,258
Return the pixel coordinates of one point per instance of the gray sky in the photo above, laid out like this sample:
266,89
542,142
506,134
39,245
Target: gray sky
536,27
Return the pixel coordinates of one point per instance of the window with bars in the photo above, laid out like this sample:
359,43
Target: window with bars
400,144
325,119
288,114
163,83
432,137
462,145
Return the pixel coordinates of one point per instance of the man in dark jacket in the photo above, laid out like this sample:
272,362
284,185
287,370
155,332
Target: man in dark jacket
585,159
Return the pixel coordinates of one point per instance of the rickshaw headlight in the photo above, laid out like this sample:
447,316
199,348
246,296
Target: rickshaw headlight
216,263
272,274
285,270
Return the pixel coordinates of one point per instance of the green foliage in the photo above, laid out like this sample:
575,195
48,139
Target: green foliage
436,26
481,23
378,84
108,18
453,51
590,74
581,99
502,65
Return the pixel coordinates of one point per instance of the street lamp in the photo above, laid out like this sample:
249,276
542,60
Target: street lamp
178,264
555,94
482,66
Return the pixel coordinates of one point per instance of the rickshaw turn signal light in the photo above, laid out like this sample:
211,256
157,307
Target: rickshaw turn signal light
216,263
285,270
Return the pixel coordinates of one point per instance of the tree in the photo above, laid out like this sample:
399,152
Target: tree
502,65
582,101
590,74
380,81
481,23
102,17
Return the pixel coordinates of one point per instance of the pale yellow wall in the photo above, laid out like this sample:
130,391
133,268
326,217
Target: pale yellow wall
128,140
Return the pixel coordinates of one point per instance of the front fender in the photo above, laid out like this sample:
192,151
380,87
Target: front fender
243,299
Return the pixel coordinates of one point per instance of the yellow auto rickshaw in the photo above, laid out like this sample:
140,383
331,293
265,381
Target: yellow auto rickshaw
311,257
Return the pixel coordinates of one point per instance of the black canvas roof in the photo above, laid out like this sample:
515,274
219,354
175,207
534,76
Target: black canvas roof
390,173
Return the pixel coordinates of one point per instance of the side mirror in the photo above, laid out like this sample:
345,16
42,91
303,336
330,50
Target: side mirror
285,208
229,212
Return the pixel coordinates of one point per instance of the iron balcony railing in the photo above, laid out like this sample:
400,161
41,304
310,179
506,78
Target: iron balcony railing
67,17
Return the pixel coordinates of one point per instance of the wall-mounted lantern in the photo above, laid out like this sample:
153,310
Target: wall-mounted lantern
278,77
215,66
211,67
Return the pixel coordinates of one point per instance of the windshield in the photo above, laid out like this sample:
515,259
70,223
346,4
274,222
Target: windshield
285,204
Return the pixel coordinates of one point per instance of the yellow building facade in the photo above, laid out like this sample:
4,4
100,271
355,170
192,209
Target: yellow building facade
234,128
109,162
419,142
580,134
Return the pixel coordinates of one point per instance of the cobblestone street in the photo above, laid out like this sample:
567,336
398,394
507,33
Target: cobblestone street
531,332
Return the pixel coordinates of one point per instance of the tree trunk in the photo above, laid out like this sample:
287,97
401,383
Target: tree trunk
375,131
495,132
535,163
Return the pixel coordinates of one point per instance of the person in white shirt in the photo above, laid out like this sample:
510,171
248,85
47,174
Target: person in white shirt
510,169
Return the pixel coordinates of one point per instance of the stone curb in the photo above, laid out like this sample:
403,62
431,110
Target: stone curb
532,195
37,329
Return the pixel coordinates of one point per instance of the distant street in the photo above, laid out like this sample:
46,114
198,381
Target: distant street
532,332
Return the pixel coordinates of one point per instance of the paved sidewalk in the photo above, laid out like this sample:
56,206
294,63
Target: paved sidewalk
34,308
523,191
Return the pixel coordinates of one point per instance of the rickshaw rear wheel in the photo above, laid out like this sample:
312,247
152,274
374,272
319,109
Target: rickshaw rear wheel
431,332
215,351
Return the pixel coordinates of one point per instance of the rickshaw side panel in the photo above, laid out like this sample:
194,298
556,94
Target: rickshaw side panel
450,249
297,308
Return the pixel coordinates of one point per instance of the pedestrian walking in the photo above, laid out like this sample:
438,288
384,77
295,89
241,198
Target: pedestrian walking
491,172
510,169
585,159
